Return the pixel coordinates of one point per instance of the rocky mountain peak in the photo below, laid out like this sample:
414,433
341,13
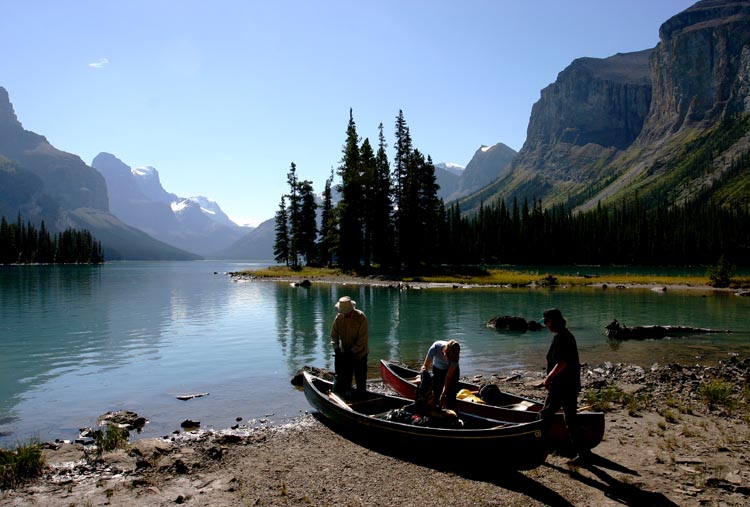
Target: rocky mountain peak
7,114
700,68
601,101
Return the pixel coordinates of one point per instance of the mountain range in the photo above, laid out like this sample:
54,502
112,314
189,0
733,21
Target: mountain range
42,183
136,196
665,125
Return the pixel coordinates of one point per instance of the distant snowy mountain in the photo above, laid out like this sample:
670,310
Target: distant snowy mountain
486,166
136,196
451,167
212,210
148,182
447,176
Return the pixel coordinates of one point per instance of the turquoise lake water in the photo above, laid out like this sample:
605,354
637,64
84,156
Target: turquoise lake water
78,341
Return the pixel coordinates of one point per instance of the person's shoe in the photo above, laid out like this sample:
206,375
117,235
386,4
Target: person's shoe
582,458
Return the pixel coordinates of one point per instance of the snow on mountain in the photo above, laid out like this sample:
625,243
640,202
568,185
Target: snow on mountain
148,181
452,168
136,196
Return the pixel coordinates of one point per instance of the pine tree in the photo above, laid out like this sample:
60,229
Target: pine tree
382,207
367,208
295,216
328,226
350,247
281,242
307,231
400,183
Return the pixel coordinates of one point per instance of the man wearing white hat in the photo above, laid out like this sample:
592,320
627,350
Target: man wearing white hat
349,336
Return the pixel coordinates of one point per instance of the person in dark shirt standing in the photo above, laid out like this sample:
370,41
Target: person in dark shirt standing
563,382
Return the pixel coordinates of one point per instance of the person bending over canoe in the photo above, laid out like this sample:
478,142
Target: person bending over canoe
443,357
349,337
563,381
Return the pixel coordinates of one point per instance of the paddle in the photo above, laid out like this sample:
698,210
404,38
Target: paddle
340,401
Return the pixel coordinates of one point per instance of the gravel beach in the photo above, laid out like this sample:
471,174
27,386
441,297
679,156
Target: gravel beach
664,445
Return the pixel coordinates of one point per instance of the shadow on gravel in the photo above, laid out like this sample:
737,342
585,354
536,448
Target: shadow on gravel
477,468
622,492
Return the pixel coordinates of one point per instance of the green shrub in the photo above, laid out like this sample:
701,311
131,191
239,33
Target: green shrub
721,274
549,280
718,392
113,437
20,465
602,399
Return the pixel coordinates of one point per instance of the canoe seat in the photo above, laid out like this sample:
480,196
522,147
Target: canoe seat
521,406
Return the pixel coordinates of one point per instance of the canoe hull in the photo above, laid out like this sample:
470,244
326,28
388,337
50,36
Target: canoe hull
398,377
516,446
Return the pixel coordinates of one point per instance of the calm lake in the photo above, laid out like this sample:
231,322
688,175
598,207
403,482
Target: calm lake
78,341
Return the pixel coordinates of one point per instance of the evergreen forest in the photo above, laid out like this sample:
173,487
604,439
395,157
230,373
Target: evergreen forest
25,244
389,217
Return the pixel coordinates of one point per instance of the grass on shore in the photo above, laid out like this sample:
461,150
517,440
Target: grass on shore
502,277
108,439
20,465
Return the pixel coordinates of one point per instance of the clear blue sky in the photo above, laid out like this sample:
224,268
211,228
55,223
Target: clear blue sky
221,96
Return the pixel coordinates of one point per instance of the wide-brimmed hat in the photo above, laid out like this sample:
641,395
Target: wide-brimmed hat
345,305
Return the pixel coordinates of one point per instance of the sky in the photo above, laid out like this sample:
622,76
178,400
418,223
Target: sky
222,96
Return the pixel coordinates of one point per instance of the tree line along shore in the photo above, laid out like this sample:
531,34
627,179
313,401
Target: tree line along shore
390,216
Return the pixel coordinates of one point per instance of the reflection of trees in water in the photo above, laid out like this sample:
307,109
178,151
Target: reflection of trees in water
403,324
300,326
421,318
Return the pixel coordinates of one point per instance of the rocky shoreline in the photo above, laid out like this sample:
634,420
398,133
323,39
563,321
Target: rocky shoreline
667,442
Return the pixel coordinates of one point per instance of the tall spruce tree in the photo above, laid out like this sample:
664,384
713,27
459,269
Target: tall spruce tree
281,241
367,210
350,247
295,215
308,227
403,148
429,212
382,207
328,226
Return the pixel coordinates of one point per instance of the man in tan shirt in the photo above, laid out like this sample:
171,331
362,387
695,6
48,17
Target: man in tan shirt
349,336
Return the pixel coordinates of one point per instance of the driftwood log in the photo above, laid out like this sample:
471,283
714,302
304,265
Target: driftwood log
617,331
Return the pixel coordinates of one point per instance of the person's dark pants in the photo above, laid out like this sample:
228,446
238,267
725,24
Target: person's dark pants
567,399
348,367
438,381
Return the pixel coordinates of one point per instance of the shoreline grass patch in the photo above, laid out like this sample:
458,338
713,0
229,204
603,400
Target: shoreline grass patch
20,465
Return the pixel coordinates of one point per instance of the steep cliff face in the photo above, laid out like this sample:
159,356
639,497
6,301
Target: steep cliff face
700,72
66,178
637,122
599,104
700,68
592,112
599,101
